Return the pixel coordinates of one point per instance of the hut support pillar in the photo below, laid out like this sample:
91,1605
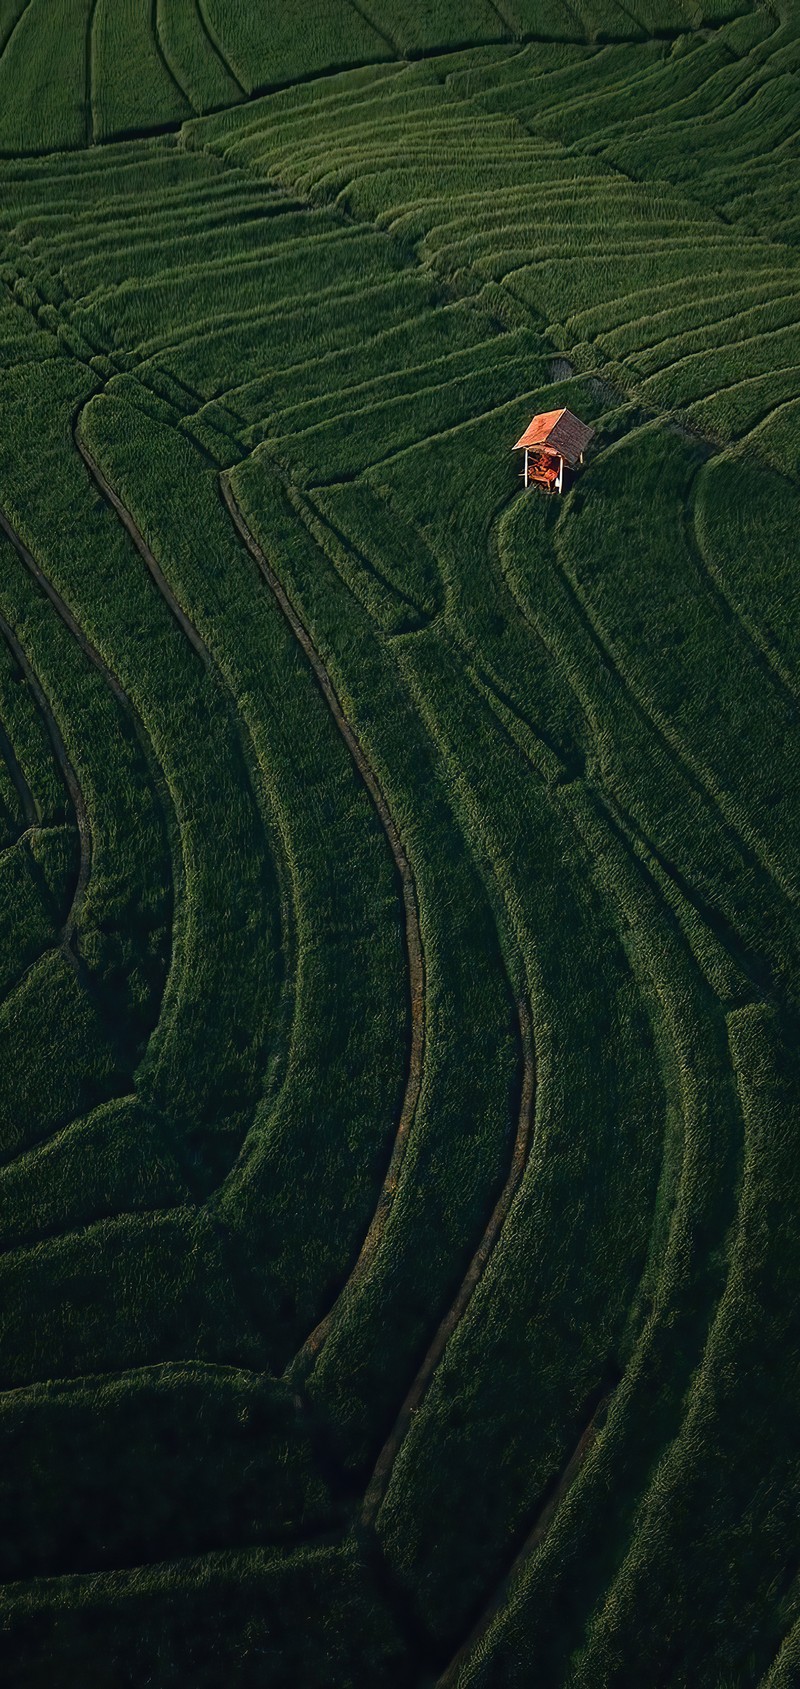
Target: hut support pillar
526,466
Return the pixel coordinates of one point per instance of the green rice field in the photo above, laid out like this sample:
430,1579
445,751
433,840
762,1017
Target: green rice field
399,868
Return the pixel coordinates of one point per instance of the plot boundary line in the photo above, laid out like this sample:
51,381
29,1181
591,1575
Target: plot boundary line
89,75
381,34
72,784
16,773
62,758
14,27
259,792
161,787
499,1598
382,1473
210,36
161,52
415,959
186,626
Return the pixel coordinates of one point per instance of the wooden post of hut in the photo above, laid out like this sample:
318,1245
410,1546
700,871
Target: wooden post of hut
552,442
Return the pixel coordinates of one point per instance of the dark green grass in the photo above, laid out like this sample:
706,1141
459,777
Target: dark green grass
58,1058
468,1461
121,1157
267,47
351,294
36,879
29,740
746,522
675,1301
213,1089
256,1614
127,1291
132,87
726,712
611,231
411,28
246,1473
43,79
384,561
136,311
383,1323
674,816
707,1497
125,912
337,878
416,482
194,57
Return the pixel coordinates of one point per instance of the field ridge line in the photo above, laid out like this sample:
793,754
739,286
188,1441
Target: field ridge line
163,59
68,774
186,626
210,35
748,635
451,1675
381,1476
651,719
14,27
259,790
361,11
412,933
695,770
129,709
27,801
89,75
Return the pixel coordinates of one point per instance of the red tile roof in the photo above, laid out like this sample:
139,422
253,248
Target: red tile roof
560,432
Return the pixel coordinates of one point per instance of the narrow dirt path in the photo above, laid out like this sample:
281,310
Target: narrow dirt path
544,1518
379,1481
413,938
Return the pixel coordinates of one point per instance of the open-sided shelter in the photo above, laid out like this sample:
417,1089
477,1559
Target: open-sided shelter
553,440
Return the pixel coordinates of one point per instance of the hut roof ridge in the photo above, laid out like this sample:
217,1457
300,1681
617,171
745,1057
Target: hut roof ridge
560,431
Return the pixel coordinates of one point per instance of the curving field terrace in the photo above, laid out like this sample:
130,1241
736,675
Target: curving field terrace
399,875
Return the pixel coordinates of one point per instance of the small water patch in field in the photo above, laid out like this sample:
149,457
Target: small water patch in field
560,369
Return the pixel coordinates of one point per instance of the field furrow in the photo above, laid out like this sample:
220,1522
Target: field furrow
67,772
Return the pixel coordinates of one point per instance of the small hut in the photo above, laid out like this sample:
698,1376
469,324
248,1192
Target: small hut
553,441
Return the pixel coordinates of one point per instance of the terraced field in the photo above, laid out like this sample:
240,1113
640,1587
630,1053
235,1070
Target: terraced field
398,871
